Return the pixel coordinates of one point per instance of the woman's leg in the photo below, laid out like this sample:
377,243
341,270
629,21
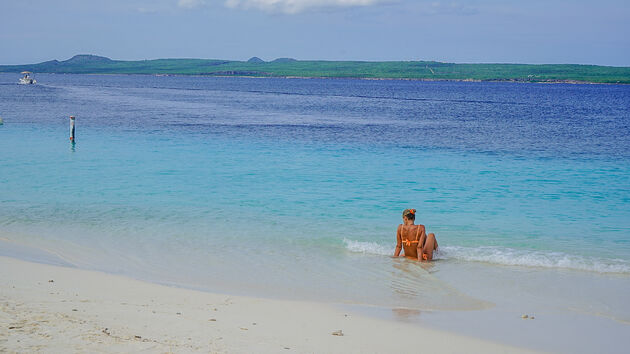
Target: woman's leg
430,245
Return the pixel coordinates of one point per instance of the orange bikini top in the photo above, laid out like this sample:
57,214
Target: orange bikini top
409,242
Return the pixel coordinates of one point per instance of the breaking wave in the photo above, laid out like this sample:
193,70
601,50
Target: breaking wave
506,256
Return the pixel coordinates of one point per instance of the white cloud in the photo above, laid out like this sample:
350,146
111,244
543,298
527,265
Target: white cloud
190,4
295,6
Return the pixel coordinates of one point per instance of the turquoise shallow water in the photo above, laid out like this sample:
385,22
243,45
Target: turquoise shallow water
294,188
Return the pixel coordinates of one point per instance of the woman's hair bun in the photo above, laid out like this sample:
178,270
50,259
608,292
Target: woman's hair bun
409,213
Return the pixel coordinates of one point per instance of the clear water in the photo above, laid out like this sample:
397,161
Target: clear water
294,187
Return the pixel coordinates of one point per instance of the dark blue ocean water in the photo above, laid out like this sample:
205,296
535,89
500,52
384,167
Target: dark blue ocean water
201,178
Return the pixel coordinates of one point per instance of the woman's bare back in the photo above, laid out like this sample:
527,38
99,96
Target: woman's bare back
409,237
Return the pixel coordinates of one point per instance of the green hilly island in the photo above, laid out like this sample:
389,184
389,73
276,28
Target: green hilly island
287,67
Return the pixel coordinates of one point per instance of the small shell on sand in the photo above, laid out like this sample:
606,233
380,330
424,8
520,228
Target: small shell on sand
524,316
337,333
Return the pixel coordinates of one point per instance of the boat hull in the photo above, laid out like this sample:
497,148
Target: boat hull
24,81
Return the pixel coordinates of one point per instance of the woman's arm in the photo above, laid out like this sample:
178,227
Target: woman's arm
398,241
421,240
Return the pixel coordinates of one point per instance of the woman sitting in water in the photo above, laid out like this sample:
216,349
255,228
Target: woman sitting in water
414,239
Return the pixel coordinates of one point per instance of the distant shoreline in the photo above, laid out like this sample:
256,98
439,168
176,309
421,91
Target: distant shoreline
571,82
365,70
575,82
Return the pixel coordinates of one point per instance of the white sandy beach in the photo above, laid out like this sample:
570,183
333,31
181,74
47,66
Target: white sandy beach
56,309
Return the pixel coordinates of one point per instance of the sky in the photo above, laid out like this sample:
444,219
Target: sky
465,31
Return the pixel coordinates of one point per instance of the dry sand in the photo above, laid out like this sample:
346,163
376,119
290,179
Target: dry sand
63,310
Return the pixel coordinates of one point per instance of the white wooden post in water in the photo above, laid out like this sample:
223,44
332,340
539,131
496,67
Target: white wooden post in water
72,128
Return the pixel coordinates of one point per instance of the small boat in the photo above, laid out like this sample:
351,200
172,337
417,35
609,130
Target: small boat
27,79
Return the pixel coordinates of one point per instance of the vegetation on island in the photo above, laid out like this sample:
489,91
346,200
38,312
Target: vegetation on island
287,67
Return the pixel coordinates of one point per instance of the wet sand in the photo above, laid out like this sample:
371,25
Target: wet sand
58,309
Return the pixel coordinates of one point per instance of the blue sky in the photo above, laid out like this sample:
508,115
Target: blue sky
473,31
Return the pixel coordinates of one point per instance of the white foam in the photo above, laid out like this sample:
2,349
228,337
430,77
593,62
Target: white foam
507,256
368,247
